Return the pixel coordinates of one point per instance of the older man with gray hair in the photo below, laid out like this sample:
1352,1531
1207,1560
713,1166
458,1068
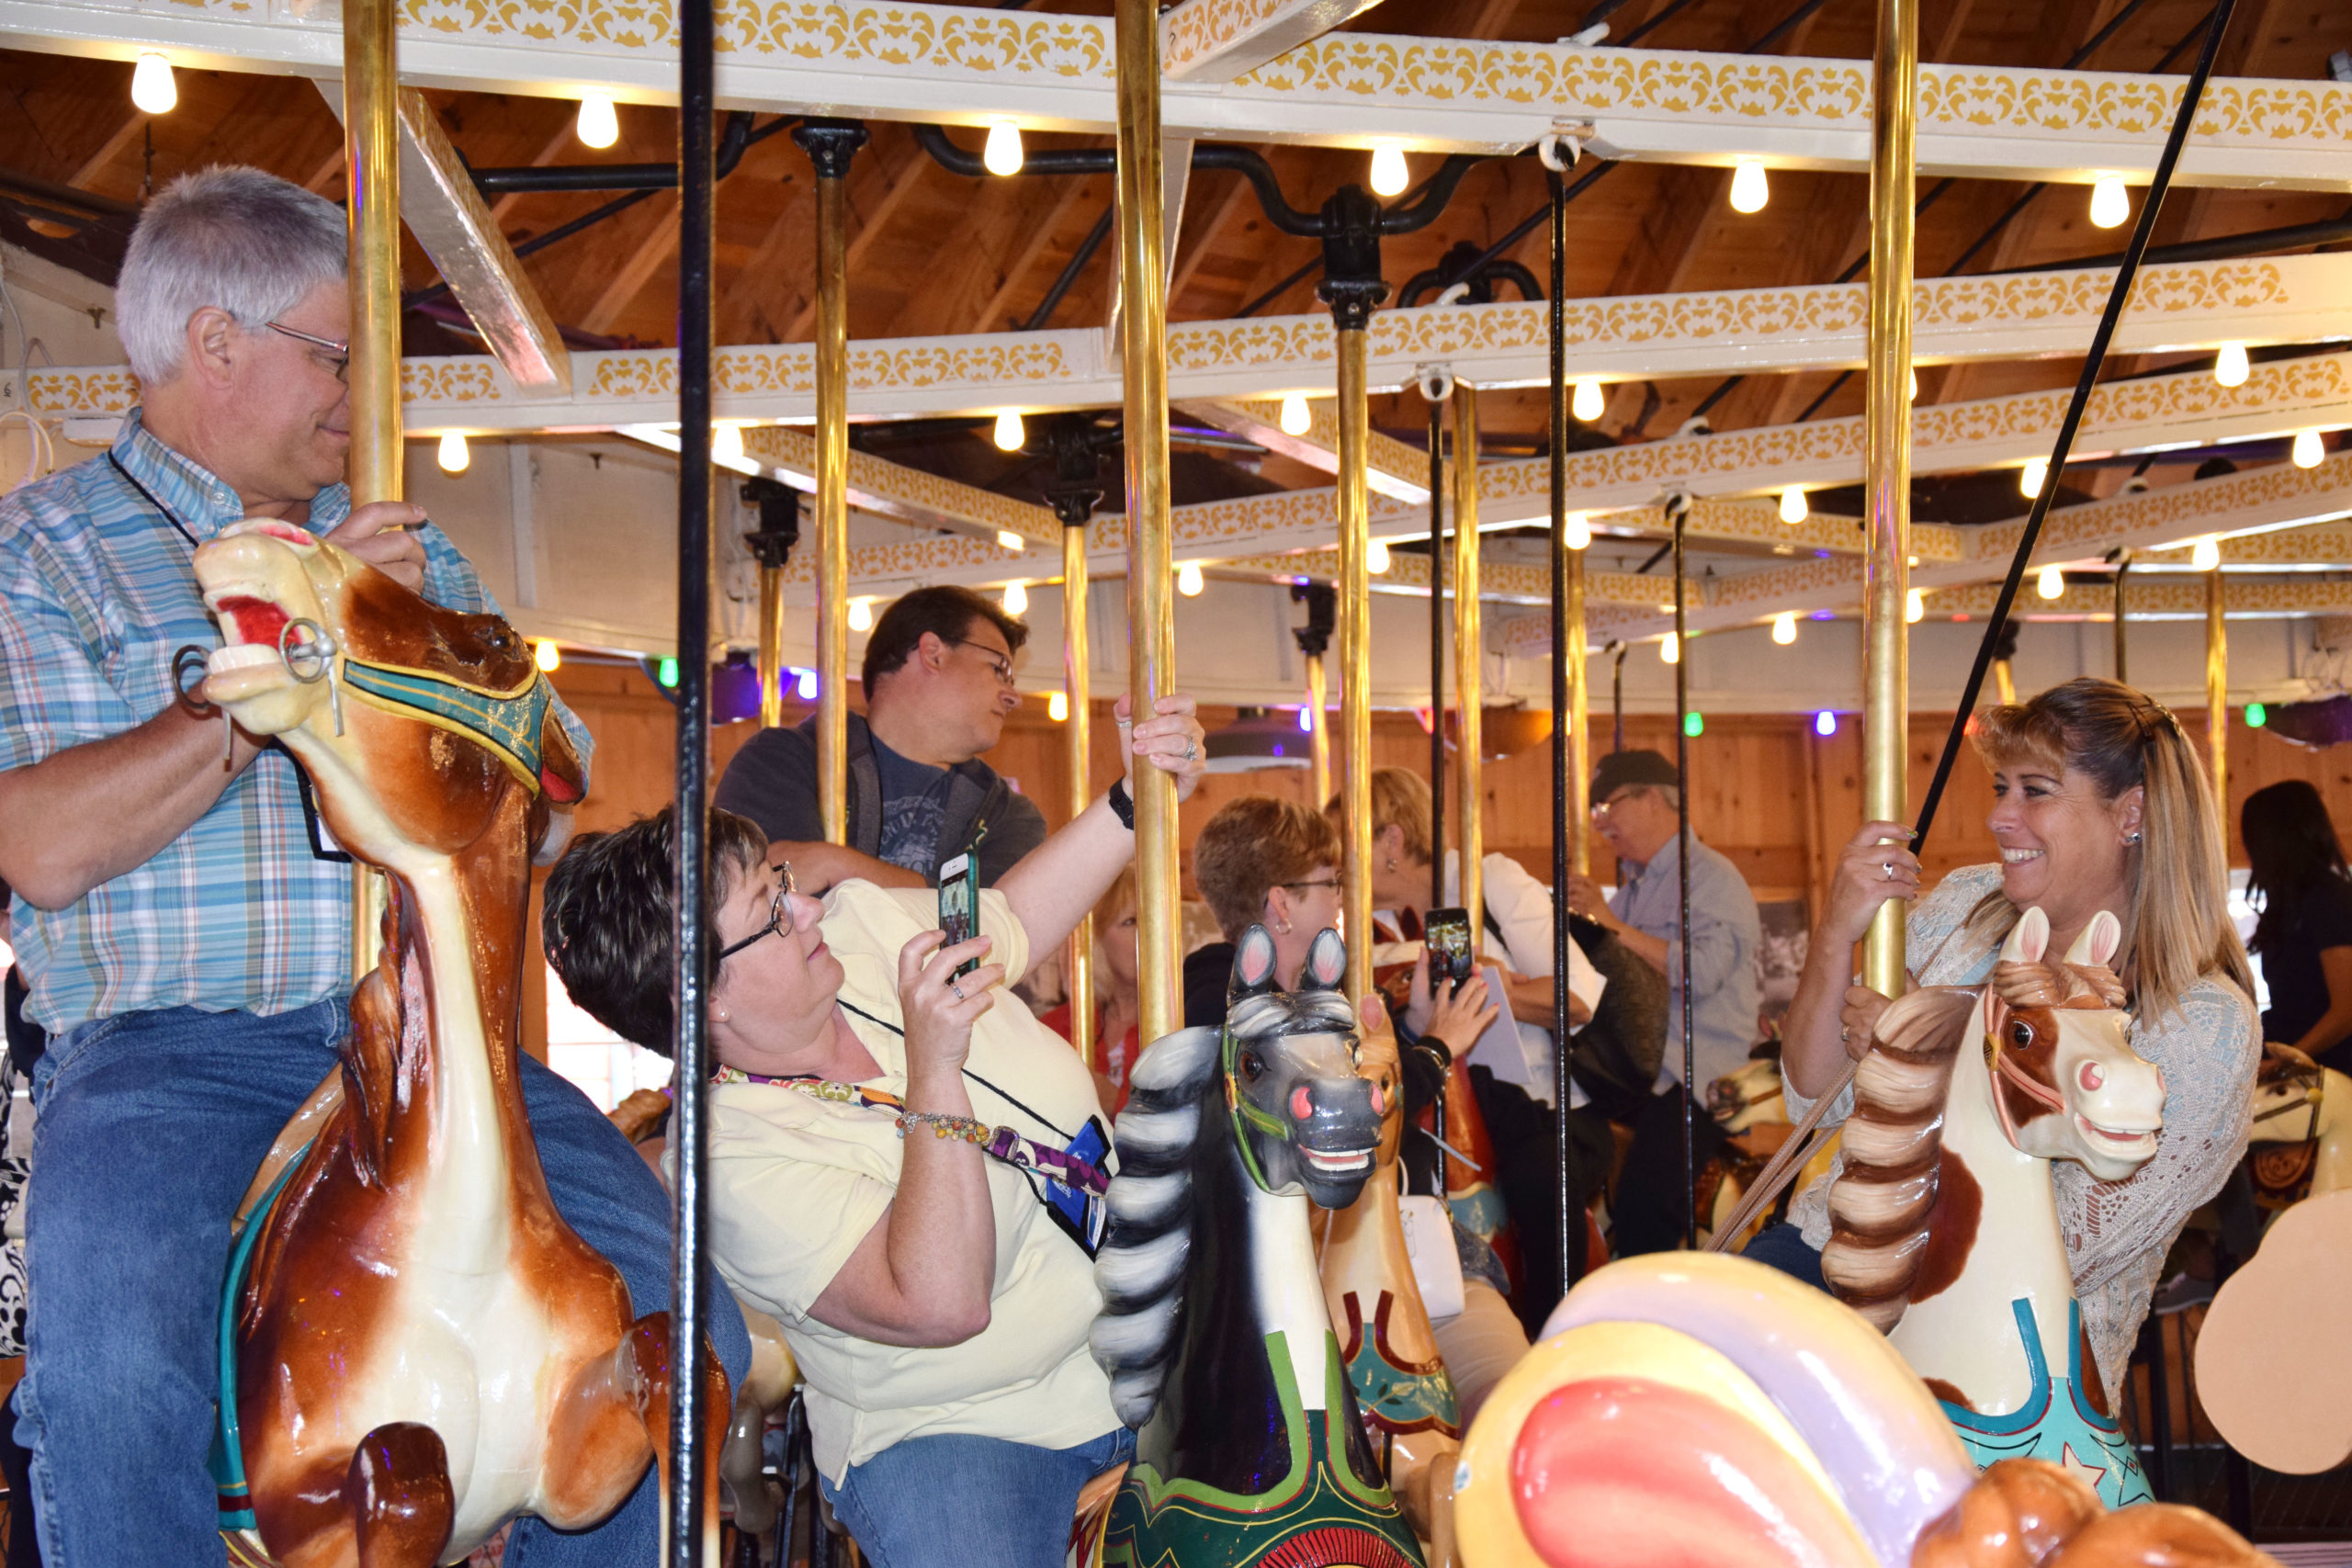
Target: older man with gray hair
186,946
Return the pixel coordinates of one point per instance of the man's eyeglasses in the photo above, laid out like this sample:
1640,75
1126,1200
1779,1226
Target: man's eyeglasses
779,913
997,661
1602,810
339,363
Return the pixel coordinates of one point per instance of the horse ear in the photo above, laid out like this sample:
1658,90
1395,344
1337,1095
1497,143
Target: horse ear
2098,941
1327,961
2029,940
1253,964
560,773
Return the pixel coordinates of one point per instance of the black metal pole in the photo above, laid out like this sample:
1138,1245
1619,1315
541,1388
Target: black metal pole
689,1135
2123,663
1617,698
1572,1257
1679,505
1437,657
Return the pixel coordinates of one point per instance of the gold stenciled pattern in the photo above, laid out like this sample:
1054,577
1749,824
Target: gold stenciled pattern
788,445
986,359
111,389
1200,28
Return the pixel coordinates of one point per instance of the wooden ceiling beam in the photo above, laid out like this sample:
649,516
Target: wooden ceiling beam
656,244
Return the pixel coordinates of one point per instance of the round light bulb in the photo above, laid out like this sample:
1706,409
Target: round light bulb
1006,540
727,444
1669,649
2052,583
1589,401
1003,154
1915,605
1578,530
1306,721
597,126
2110,203
1008,435
2033,476
1389,175
804,687
1016,597
2205,555
860,614
1750,189
1295,419
1376,556
2310,450
1188,581
453,456
547,656
2230,367
1794,508
1825,724
152,91
1058,706
1784,627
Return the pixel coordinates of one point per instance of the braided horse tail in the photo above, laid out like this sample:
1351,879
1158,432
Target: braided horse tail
1882,1204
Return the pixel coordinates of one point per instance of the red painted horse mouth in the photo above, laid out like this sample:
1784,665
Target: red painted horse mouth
251,620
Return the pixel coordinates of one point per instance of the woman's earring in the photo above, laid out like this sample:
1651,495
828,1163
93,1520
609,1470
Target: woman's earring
1392,863
1281,928
719,1015
2133,837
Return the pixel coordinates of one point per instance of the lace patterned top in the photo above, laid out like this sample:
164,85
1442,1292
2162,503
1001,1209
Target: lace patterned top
2117,1233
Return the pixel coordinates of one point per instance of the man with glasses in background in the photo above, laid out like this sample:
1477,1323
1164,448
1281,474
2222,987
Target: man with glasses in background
938,680
1638,798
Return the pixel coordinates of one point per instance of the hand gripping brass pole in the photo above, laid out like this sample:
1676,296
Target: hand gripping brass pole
1355,661
1078,970
371,151
1151,634
1469,664
2217,695
831,144
1887,458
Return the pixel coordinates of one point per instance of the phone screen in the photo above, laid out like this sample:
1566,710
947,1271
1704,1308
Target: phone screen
959,906
1448,934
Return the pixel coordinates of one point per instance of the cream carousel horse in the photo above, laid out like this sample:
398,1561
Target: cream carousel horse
424,1350
1945,1223
1684,1409
1752,1111
2302,1113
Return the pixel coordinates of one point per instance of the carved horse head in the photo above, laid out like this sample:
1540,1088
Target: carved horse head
2067,1084
408,717
1302,1119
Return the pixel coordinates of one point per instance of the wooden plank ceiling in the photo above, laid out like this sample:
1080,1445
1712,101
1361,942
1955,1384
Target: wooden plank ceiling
935,252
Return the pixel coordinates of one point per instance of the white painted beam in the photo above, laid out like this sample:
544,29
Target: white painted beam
1217,41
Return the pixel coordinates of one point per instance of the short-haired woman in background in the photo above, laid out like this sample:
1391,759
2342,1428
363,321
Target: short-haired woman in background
2304,937
2099,803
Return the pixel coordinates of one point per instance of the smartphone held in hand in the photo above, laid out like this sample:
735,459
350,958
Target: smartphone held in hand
959,906
1447,933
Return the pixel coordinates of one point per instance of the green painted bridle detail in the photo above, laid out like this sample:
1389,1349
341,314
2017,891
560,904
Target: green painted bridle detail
1246,1115
508,722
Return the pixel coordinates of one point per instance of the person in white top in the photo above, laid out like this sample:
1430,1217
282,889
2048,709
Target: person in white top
908,1176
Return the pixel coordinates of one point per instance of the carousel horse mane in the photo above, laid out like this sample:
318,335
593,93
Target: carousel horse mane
1141,1265
1884,1207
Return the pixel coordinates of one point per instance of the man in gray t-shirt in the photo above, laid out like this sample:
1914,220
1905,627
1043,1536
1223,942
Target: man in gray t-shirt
938,679
1637,807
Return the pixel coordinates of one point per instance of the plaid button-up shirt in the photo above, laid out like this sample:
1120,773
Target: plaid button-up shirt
97,593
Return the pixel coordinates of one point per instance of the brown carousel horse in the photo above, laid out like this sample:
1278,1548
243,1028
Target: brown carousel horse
424,1349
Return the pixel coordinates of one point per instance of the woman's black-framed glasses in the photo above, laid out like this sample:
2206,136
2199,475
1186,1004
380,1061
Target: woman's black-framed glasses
779,913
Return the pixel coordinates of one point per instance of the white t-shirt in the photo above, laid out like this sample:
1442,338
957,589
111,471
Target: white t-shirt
797,1182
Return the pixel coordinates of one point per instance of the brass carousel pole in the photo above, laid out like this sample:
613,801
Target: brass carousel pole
1151,626
1352,286
1886,657
1074,490
1318,738
1469,666
831,144
772,645
2217,696
371,150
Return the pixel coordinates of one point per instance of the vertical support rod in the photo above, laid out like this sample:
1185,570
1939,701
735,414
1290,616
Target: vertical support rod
689,1132
1469,663
1318,738
1568,786
772,645
1355,662
371,153
1437,655
1152,636
2217,696
1679,505
1079,739
2122,660
1617,697
831,144
1887,458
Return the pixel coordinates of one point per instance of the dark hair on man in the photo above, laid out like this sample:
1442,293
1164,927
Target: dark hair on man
609,908
946,612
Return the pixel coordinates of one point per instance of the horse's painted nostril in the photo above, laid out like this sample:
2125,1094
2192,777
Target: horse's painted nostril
2091,1076
1379,1100
1302,1104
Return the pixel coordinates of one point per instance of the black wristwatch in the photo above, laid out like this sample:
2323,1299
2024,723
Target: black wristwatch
1124,803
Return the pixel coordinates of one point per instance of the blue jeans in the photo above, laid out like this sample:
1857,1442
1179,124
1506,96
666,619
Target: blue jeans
1783,1245
150,1126
943,1502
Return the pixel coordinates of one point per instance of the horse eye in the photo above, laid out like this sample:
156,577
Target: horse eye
1252,1065
2022,1034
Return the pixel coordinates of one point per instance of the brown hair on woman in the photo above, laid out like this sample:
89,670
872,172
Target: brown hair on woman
1252,846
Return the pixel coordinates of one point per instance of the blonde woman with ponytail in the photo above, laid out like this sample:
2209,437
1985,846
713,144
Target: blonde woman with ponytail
2100,802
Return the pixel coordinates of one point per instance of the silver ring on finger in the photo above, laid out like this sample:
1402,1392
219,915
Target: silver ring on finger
1191,750
953,987
1886,871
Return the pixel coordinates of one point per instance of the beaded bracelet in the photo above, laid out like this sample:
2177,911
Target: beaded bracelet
962,1127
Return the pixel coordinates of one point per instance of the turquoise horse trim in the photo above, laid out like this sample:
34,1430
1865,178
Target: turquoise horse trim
227,1460
508,722
2056,1424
